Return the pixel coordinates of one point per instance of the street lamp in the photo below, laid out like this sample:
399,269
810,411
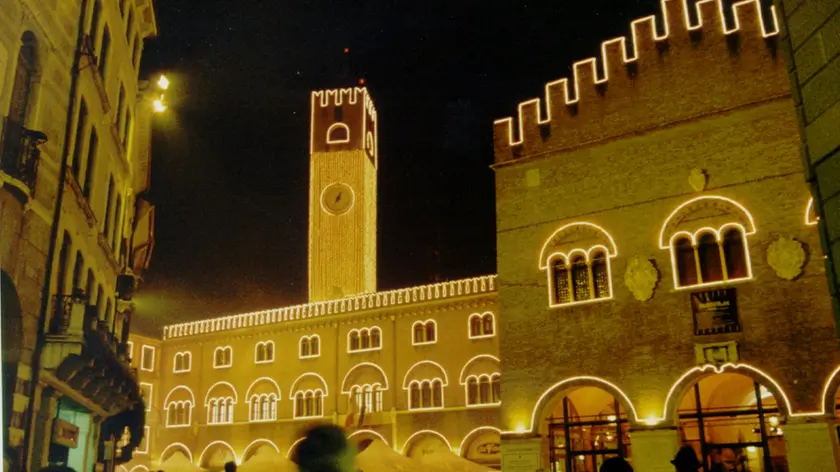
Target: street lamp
163,82
158,106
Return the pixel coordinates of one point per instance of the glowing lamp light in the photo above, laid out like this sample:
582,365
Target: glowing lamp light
158,106
611,418
751,449
163,82
774,420
520,428
652,420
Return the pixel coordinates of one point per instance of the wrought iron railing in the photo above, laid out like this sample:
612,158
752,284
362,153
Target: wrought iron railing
19,148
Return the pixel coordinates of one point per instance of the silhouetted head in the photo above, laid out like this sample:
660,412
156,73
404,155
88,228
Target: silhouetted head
686,460
230,466
616,464
326,449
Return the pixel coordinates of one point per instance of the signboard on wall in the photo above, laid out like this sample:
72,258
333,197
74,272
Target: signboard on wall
65,433
715,312
521,455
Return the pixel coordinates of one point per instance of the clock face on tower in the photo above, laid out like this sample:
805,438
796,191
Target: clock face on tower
337,198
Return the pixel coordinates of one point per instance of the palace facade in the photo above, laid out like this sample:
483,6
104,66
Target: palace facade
661,278
74,228
417,368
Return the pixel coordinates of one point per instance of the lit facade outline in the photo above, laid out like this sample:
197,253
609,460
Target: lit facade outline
573,98
492,379
317,397
808,210
439,367
462,377
207,396
612,250
346,390
292,447
430,382
309,340
587,254
749,229
468,437
359,432
321,199
151,393
189,404
257,443
183,447
248,393
201,456
259,404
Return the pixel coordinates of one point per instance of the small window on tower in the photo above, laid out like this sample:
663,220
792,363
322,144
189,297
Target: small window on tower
338,133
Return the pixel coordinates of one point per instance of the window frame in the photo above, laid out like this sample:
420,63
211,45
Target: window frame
425,335
493,379
431,394
187,355
217,365
304,407
481,317
720,240
151,393
571,266
308,341
265,346
188,404
143,358
361,332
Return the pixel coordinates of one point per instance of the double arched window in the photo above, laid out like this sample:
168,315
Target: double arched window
263,407
310,346
710,256
223,357
482,325
365,339
220,410
309,404
264,352
484,390
367,398
424,332
425,394
182,362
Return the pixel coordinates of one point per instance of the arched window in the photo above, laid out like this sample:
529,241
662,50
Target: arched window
483,390
264,352
715,256
310,346
365,339
182,362
734,254
304,347
354,340
220,410
425,332
338,133
104,51
367,398
561,276
178,413
482,325
686,262
472,391
580,278
585,278
600,275
425,394
375,338
309,404
223,357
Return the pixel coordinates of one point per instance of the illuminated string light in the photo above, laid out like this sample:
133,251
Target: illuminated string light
214,443
227,355
292,447
360,432
611,249
146,348
220,384
277,391
431,383
304,376
148,400
361,333
339,140
301,395
749,228
552,282
649,24
478,378
309,339
181,446
422,432
809,221
256,443
438,367
348,389
468,437
264,345
462,378
186,362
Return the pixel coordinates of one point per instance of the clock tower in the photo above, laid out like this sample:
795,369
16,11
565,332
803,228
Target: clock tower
342,194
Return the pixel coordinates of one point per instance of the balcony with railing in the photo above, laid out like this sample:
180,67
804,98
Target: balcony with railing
19,152
84,352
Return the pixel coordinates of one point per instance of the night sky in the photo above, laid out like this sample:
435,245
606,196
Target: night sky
230,158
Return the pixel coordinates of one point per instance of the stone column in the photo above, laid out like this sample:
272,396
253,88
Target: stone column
653,449
522,454
810,445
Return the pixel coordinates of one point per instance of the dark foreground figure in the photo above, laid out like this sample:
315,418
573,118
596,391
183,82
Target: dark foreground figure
326,449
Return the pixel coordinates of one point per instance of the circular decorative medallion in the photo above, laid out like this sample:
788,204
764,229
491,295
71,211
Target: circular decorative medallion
641,278
337,198
786,256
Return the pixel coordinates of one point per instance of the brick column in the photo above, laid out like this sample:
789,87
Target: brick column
810,446
653,449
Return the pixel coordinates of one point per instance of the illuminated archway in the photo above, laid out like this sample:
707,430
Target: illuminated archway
831,394
424,442
291,454
171,449
708,207
363,437
216,455
482,446
553,395
733,422
256,446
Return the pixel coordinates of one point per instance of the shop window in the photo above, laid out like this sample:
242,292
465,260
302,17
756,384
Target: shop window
425,394
482,325
424,332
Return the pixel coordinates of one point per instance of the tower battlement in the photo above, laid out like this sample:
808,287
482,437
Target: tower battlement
692,68
343,119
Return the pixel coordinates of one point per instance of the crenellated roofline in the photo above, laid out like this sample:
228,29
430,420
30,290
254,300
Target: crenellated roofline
390,298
